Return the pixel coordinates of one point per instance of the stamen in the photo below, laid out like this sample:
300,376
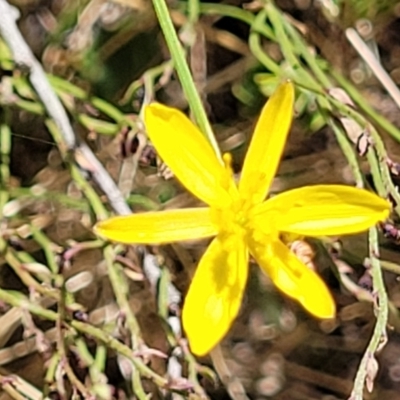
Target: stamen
227,158
228,182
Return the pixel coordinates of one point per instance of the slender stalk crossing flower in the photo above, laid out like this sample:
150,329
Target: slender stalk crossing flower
240,218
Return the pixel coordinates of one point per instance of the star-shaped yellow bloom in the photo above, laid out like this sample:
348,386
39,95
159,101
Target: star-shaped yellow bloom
240,218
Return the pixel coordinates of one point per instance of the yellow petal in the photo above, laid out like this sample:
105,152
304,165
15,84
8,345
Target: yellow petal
215,294
186,151
267,144
293,278
325,210
158,227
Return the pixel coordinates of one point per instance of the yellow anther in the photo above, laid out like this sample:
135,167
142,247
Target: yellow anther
227,158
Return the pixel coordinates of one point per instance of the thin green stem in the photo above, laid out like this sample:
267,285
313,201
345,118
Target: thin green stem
379,336
391,266
147,80
47,246
299,72
234,12
193,11
17,299
14,261
120,348
385,172
376,172
120,288
256,47
183,72
61,199
359,99
5,149
62,343
90,193
119,285
285,45
348,151
301,48
377,155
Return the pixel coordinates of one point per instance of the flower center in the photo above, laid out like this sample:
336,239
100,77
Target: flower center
238,217
232,219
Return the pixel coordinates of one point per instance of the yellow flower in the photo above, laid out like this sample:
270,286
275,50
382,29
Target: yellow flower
241,219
